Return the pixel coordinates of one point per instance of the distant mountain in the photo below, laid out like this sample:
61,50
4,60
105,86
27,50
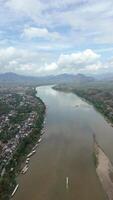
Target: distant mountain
84,78
105,76
13,78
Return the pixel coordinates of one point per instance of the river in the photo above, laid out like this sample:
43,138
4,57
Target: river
63,166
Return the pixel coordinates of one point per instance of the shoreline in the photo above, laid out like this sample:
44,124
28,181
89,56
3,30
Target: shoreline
104,167
24,148
104,170
108,120
33,145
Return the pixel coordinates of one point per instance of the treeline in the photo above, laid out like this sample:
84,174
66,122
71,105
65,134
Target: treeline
100,100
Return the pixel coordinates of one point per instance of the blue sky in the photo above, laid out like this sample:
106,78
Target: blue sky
41,37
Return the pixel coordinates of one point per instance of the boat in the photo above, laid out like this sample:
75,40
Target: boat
39,140
34,151
14,190
27,160
30,154
24,170
35,147
67,182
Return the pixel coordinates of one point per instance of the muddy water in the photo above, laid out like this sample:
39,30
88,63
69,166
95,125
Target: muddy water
63,167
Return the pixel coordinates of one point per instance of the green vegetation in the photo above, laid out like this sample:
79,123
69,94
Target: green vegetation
100,94
12,169
95,159
100,99
8,182
4,108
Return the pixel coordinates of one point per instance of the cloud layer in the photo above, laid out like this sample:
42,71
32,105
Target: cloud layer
57,36
24,61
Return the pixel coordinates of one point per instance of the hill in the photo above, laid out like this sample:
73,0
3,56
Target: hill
13,78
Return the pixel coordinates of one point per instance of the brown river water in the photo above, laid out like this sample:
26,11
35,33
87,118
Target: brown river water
63,166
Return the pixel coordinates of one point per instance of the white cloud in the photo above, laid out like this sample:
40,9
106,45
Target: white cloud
28,62
52,67
15,59
79,59
94,67
34,32
86,61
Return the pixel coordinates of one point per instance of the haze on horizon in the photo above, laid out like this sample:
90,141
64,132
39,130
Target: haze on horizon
40,37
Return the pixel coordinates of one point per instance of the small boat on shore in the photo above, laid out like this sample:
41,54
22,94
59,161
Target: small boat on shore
39,140
24,170
35,147
30,154
14,191
27,160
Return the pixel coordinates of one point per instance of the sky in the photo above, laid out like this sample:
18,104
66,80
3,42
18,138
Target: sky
44,37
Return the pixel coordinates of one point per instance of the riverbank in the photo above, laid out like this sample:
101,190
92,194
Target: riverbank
65,154
101,99
25,143
102,102
104,170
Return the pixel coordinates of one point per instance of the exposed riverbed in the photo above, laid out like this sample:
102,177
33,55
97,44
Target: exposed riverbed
104,169
63,167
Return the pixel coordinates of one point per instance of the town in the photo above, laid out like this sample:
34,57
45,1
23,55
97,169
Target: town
20,117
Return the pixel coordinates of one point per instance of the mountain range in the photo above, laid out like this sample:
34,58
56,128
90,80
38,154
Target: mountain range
13,78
